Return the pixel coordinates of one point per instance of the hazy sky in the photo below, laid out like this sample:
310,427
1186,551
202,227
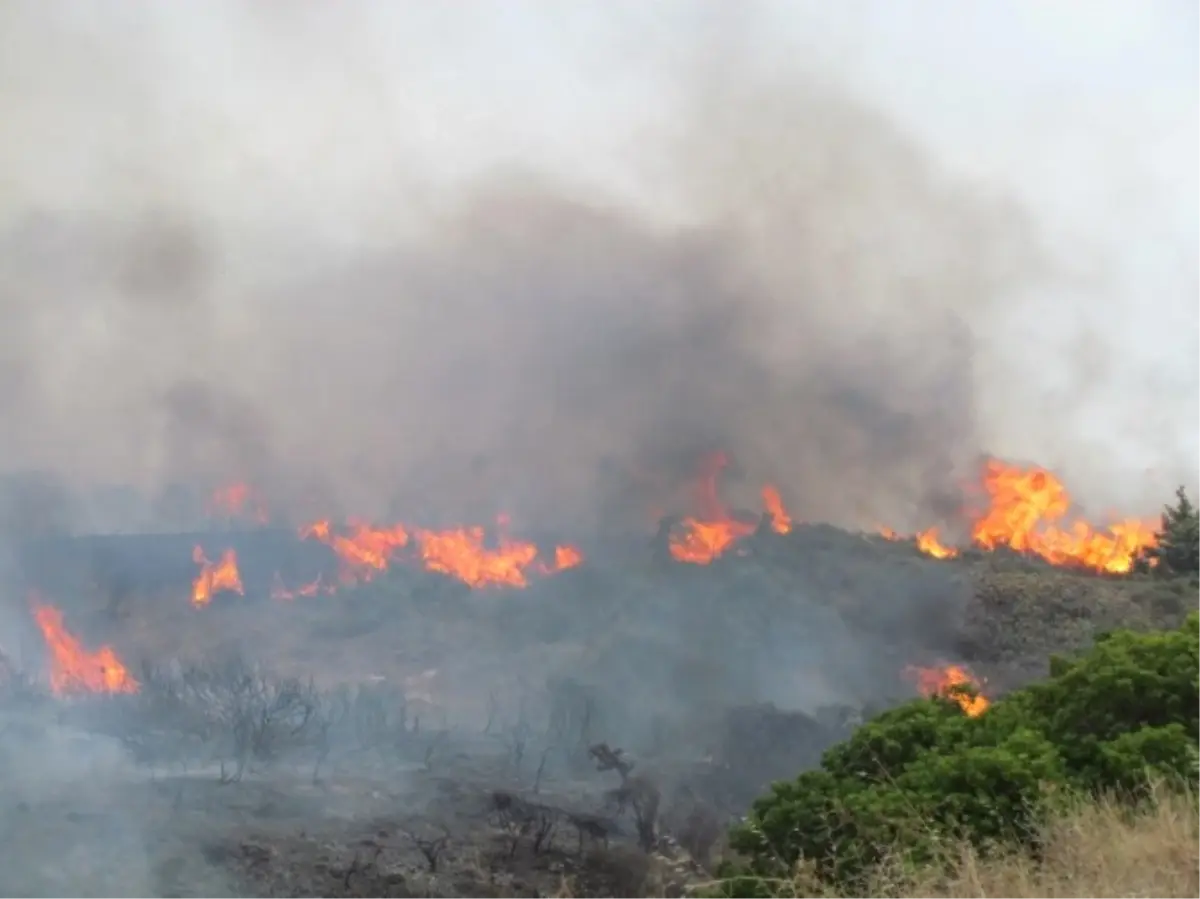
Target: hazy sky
347,116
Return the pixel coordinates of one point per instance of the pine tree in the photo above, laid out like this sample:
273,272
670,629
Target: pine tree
1178,549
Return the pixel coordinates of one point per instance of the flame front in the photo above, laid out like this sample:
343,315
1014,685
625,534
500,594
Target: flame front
214,578
700,540
72,668
1023,512
462,553
947,682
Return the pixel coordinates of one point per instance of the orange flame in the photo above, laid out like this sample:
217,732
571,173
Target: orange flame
459,552
1023,509
72,668
781,521
701,540
215,577
237,501
362,553
947,682
928,543
566,557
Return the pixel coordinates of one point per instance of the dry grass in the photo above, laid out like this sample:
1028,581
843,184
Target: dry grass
1097,848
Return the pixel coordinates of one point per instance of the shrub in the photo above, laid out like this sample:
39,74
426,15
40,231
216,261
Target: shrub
924,775
1178,549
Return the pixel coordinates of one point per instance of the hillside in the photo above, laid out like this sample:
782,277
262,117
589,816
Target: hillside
390,715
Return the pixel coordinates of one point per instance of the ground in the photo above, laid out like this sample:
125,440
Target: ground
413,737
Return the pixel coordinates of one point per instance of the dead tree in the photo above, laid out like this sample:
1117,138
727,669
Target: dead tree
636,792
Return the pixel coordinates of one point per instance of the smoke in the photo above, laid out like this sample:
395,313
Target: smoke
243,247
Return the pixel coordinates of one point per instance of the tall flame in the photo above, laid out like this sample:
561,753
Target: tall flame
1025,512
215,577
781,521
72,668
1024,508
947,682
700,540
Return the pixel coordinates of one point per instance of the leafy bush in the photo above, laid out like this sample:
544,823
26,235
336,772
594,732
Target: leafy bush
925,773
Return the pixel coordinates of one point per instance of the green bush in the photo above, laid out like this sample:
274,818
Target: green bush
925,772
1178,549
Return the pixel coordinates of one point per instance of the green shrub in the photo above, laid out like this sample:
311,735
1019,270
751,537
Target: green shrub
925,772
1178,549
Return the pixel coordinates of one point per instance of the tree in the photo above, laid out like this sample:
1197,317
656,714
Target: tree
1178,549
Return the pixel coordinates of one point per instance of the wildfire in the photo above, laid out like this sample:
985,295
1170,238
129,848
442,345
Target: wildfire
928,543
216,577
781,521
363,552
948,681
1025,512
463,553
700,540
72,668
237,501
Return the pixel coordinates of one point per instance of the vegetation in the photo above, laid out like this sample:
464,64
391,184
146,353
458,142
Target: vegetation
924,778
1178,549
1087,847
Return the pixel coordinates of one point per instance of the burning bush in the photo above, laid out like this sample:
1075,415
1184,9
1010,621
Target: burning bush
926,772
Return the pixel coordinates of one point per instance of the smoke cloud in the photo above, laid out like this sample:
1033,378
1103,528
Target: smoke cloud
240,246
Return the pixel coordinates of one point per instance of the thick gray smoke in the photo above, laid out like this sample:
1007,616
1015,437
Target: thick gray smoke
212,293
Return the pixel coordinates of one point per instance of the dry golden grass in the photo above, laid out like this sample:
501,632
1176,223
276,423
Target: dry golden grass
1096,848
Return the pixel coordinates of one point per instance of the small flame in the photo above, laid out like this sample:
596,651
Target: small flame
781,521
72,668
566,557
948,681
214,578
928,543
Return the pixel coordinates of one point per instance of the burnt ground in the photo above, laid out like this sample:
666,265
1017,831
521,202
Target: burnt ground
412,737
